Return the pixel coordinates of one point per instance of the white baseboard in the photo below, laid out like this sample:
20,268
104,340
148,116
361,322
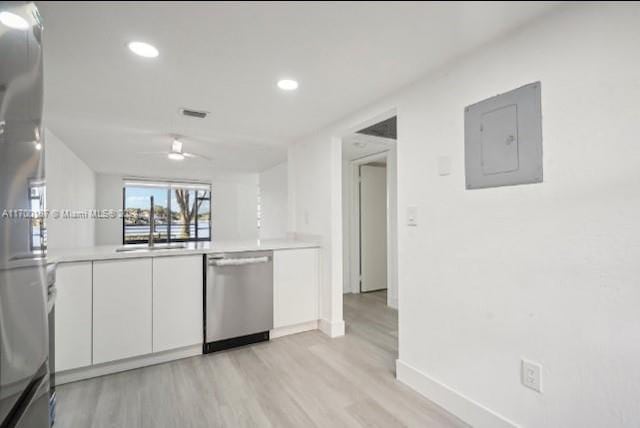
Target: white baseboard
127,364
332,328
293,329
463,407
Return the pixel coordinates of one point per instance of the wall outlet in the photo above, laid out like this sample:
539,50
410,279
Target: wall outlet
531,375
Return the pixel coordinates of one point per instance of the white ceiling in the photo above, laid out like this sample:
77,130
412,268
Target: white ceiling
108,105
357,146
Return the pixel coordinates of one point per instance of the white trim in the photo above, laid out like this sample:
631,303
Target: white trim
160,182
392,302
382,155
354,219
336,277
451,400
293,329
127,364
331,329
392,227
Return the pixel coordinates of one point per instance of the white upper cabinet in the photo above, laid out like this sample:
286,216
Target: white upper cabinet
295,287
177,302
73,316
122,291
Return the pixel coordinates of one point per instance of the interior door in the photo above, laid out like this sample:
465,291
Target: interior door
373,228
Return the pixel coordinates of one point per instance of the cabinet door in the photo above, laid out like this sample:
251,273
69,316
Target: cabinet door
121,309
73,316
295,286
177,302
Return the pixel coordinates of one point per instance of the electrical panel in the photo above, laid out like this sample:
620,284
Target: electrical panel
503,139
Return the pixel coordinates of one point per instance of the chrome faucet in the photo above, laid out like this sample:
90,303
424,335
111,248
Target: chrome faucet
152,223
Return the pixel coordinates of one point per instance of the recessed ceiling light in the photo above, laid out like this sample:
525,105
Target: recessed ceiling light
38,145
175,156
143,49
14,21
288,84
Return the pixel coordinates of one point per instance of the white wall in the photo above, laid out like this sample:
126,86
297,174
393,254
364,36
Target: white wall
109,197
273,200
70,186
315,208
548,271
233,208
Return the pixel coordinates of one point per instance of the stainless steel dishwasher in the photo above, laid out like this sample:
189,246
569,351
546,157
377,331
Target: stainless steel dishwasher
238,299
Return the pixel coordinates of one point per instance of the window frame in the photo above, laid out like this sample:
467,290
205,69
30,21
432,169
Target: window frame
197,187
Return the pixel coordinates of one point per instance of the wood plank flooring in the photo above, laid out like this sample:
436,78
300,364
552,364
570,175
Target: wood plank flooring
303,380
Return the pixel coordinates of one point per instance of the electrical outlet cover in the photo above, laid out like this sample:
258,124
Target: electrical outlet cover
503,139
531,375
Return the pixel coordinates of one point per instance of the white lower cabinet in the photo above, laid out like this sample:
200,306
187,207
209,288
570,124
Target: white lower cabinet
73,316
112,310
122,325
295,286
177,302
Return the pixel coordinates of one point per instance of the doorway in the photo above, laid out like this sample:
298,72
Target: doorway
373,226
369,211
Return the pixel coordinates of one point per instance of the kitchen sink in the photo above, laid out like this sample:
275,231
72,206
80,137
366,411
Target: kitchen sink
156,247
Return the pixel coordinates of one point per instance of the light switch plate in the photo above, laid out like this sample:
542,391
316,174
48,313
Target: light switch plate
412,216
531,375
444,165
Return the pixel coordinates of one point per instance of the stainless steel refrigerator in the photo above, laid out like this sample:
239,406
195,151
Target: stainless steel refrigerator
24,272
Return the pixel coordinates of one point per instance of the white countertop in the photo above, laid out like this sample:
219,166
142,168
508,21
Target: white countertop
108,252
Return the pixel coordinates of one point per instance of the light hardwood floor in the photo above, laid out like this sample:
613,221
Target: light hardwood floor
303,380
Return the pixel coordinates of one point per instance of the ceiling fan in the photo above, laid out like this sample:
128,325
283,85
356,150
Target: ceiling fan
177,154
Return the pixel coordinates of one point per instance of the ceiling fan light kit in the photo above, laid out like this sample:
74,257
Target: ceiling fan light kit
176,153
175,156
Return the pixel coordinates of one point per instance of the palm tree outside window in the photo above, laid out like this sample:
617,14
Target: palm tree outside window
182,211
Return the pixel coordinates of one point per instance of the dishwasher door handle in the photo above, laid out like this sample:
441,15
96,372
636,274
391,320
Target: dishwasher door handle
238,262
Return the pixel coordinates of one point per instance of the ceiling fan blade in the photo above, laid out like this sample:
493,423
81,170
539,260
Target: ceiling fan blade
194,155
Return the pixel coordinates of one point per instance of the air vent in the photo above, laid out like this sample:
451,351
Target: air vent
386,129
198,114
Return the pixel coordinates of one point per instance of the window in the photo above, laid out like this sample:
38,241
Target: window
37,201
182,212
